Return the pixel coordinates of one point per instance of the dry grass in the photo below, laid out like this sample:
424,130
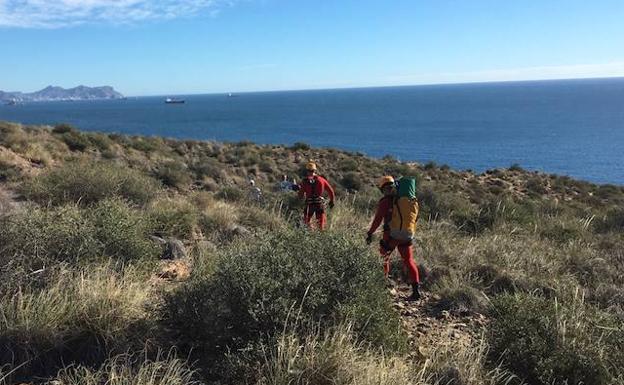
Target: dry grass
335,357
81,316
132,370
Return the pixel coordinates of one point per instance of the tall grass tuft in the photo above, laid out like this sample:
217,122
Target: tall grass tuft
132,369
83,317
86,183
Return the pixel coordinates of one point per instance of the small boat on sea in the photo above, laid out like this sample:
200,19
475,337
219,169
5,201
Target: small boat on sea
11,102
174,101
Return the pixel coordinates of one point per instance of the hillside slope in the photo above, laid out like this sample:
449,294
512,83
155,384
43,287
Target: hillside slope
524,273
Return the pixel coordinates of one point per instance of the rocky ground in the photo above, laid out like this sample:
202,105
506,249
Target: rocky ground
428,327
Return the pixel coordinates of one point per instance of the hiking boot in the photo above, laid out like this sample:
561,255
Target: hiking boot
415,296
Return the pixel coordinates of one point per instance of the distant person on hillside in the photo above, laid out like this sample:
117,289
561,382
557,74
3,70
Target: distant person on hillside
294,185
285,185
255,194
312,188
396,235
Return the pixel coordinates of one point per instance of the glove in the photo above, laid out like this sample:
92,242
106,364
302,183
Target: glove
331,204
369,239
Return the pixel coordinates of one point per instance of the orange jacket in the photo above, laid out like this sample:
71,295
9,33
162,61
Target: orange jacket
313,188
384,213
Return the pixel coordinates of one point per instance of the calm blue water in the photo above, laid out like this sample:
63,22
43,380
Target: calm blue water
566,127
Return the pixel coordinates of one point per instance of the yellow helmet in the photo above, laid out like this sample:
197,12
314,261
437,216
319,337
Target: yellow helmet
311,166
384,180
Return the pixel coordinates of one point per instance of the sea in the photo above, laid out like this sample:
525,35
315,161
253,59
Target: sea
566,127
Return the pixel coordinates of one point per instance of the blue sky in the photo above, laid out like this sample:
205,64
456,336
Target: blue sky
149,47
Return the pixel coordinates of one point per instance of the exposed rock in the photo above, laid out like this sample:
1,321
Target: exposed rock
173,248
238,230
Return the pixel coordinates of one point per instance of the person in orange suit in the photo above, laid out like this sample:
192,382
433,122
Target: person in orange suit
387,244
312,188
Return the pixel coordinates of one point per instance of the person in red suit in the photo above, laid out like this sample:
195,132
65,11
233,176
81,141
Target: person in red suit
312,188
387,244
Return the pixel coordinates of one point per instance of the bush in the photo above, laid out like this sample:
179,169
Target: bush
258,286
8,171
63,128
86,183
209,167
122,232
515,167
174,218
232,194
145,144
431,165
546,342
80,318
612,221
76,141
300,146
351,181
535,186
173,174
349,164
100,141
461,299
562,231
33,238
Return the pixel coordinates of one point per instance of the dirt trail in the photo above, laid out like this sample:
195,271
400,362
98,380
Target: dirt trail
429,327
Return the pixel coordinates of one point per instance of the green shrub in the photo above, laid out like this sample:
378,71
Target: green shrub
145,144
122,232
349,164
400,169
561,231
173,174
33,237
352,181
63,128
535,186
460,298
546,342
431,165
515,167
174,218
300,146
8,171
267,166
612,221
86,183
609,191
258,285
209,167
76,141
100,141
232,194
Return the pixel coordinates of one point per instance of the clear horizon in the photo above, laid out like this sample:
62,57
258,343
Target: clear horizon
335,88
149,47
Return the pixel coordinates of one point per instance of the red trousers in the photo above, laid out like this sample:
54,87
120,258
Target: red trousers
406,250
319,211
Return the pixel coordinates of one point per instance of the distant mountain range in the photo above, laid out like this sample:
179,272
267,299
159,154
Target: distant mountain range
59,93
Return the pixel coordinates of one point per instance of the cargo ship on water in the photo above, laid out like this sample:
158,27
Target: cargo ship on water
174,101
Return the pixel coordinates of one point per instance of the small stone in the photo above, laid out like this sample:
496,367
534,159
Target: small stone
174,249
